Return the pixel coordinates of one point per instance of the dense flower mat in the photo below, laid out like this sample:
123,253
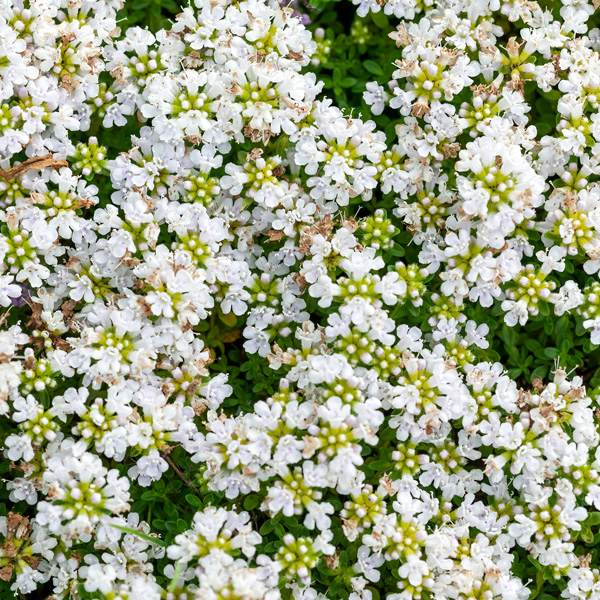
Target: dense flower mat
299,305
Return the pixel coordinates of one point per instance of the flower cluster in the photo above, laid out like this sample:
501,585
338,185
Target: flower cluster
185,211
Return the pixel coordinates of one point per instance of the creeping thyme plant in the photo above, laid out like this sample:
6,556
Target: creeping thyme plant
300,302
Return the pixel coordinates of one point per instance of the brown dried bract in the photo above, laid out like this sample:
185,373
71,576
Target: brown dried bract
199,406
513,47
85,203
524,398
259,57
148,202
146,310
275,235
35,322
479,90
387,484
280,356
576,393
193,59
256,135
516,84
17,526
311,444
36,162
117,73
231,336
400,36
4,318
464,216
166,449
586,560
67,38
322,227
68,83
36,198
193,139
185,327
194,385
556,60
451,150
420,109
500,250
350,224
301,281
68,308
538,384
32,561
255,154
167,389
74,264
569,200
130,261
61,344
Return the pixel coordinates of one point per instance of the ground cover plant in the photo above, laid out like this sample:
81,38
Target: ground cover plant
299,301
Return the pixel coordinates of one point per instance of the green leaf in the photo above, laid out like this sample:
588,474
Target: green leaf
267,527
397,250
181,525
193,500
251,502
593,518
229,319
372,67
142,535
533,346
540,371
586,535
171,527
323,568
374,593
565,346
175,580
381,465
381,20
562,324
509,335
552,352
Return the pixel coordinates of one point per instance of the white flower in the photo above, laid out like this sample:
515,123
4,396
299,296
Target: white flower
414,570
376,97
368,564
149,468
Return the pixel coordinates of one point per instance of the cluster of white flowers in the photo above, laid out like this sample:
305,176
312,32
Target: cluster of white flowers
404,448
476,206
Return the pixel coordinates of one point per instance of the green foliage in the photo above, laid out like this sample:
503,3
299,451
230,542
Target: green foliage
153,14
